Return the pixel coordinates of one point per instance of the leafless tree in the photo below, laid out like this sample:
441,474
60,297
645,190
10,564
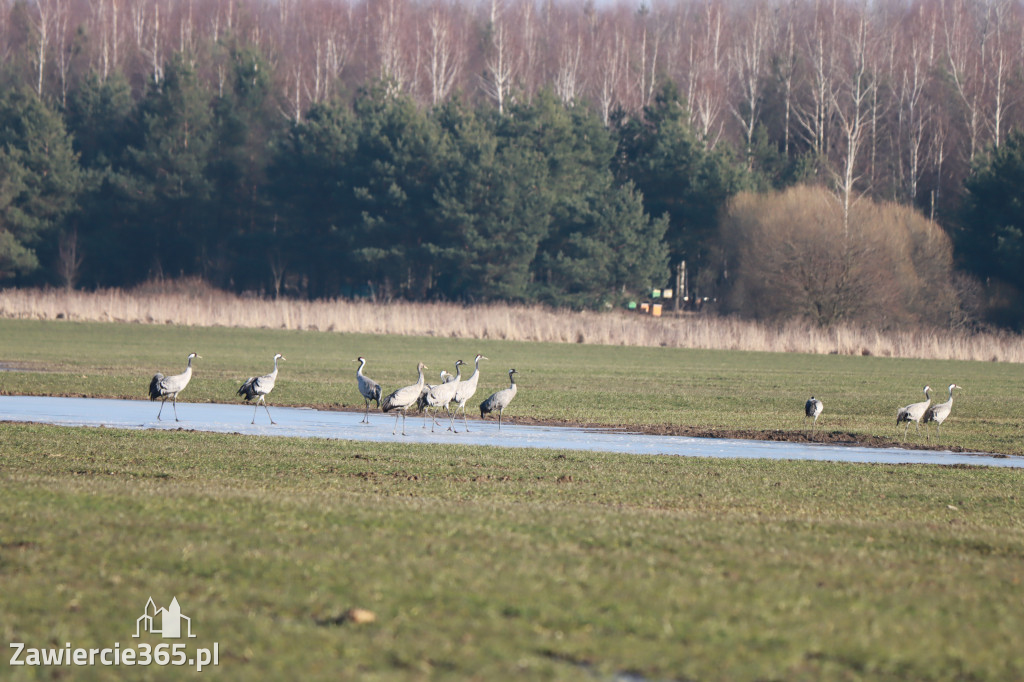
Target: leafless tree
500,64
813,111
611,59
388,21
785,69
748,57
569,70
852,101
43,24
445,52
965,34
63,46
792,259
69,258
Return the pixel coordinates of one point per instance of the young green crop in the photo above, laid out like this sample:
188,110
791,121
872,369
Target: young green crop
490,563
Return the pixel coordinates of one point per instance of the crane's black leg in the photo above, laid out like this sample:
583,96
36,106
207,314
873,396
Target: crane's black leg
161,411
396,425
268,412
254,408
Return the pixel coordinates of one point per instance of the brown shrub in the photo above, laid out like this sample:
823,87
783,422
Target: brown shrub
792,256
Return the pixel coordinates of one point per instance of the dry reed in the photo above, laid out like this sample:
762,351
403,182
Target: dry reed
204,306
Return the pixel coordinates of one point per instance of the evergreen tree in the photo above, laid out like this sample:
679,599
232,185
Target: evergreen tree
166,175
244,243
599,242
40,181
394,171
613,249
312,196
492,210
99,118
678,177
989,237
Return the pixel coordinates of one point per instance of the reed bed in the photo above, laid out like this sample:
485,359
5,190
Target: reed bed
200,305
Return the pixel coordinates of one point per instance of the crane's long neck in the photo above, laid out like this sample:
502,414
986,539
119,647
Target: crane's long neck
359,370
188,366
275,367
512,378
419,382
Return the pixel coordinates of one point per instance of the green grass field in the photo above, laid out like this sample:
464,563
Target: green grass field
488,563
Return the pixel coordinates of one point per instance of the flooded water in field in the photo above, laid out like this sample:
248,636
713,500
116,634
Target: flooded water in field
308,423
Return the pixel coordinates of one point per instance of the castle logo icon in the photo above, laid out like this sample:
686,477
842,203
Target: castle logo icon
165,622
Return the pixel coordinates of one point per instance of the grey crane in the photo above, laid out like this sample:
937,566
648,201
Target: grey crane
421,401
813,408
913,413
938,413
442,395
169,387
369,389
259,387
466,390
404,398
500,400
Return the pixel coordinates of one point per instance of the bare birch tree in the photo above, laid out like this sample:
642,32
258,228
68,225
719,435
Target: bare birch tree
610,61
446,54
965,34
42,22
500,63
814,112
851,103
748,57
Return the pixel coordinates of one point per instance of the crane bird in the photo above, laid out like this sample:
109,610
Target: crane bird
938,413
404,398
913,413
259,387
421,401
466,390
442,395
813,408
369,389
500,400
169,387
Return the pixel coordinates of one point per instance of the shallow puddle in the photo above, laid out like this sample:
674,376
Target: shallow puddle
308,423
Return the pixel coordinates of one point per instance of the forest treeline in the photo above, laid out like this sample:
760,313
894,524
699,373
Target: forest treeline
568,153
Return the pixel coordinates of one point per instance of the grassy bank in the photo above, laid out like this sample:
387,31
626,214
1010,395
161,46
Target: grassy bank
726,392
488,564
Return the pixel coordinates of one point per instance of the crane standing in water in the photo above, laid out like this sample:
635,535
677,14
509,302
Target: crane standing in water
500,400
259,387
368,388
169,387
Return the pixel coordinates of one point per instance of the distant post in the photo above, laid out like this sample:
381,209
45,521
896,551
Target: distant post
680,283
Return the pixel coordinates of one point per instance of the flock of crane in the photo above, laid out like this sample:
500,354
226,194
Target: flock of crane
923,411
425,397
452,388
